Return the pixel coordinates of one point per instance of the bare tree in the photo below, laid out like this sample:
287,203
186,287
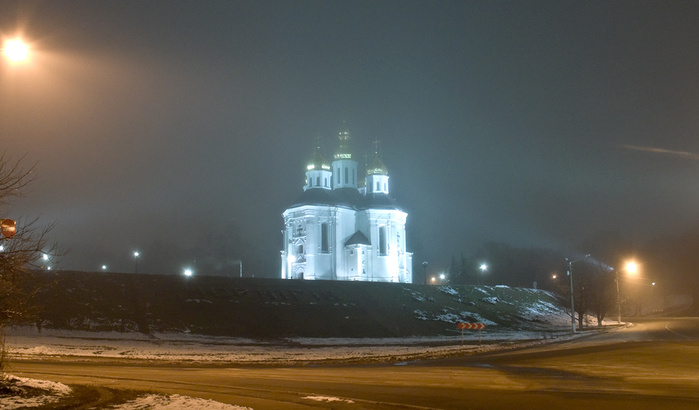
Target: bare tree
594,290
22,254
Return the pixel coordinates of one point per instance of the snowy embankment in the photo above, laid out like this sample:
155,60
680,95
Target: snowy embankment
27,343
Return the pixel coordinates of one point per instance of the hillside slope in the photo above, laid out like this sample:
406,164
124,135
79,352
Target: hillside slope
275,308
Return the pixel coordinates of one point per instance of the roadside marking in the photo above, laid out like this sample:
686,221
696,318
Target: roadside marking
667,327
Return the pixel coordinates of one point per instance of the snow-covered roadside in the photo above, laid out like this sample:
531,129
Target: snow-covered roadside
174,402
21,393
27,343
31,393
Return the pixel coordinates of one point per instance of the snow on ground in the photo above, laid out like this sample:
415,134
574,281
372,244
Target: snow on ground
174,402
53,393
46,393
27,343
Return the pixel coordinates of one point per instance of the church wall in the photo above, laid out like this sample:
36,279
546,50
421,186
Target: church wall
345,227
387,228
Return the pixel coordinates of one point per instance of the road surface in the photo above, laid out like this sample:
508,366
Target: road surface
651,365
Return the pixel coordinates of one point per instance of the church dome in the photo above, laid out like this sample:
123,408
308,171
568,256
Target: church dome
317,161
343,151
376,167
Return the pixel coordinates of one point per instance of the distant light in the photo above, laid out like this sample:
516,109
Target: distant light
16,50
483,267
2,248
48,268
653,284
433,279
104,267
554,276
442,276
45,257
188,272
136,254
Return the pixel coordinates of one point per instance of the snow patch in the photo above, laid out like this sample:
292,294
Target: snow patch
328,399
54,392
448,290
175,402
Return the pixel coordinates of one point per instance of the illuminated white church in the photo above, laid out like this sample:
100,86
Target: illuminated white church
344,229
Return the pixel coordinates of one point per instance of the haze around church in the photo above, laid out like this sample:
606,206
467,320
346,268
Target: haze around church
181,130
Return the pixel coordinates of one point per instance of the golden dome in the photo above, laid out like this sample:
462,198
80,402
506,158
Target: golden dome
317,161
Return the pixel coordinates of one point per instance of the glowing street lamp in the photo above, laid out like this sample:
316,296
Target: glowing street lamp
136,254
15,50
632,268
188,272
483,268
45,258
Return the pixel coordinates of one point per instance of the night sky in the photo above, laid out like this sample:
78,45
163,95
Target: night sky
181,128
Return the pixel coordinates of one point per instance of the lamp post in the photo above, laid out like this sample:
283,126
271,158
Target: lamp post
572,298
631,267
483,268
240,262
135,257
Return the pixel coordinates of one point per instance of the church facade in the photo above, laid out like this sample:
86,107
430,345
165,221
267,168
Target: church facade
344,228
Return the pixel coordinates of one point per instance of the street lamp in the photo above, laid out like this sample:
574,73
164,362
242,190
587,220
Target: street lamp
632,268
240,262
424,270
572,298
45,258
483,268
136,254
15,50
188,272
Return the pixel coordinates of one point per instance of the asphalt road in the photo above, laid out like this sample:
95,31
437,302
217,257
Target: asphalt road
651,365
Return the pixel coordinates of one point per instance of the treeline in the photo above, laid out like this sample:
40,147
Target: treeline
667,266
